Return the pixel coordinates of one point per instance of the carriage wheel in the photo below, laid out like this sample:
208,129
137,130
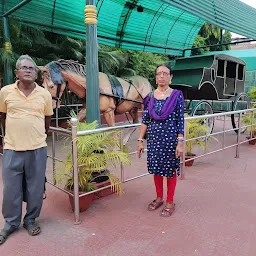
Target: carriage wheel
203,107
241,102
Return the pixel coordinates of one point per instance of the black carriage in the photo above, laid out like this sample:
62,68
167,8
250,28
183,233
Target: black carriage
210,82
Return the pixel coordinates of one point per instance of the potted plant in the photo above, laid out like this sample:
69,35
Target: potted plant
96,152
250,119
194,128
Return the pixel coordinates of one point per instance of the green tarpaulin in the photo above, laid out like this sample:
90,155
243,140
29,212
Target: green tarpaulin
148,25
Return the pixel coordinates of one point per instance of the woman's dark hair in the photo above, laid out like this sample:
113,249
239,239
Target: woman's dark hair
164,65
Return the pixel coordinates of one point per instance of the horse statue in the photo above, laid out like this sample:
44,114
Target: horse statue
117,95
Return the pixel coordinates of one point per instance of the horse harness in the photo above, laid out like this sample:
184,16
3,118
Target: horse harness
57,97
117,90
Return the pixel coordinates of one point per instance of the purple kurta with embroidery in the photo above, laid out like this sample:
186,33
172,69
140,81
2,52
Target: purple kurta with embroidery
162,139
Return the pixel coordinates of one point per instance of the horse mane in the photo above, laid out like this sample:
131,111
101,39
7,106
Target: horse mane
71,66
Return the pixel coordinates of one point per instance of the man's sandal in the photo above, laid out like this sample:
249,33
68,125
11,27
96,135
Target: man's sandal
167,212
33,229
5,233
154,205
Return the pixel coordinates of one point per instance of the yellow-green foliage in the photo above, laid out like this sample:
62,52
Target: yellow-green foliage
96,152
250,119
252,94
195,128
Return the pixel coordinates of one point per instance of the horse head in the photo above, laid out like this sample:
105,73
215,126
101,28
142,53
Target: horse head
53,82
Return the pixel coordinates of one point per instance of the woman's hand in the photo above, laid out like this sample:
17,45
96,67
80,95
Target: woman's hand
179,149
140,148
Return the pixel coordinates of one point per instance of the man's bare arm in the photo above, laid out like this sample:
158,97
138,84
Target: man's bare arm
47,123
3,118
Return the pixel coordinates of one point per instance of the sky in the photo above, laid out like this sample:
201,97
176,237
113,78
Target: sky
251,3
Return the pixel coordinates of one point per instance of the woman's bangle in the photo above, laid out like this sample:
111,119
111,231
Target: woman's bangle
140,140
180,140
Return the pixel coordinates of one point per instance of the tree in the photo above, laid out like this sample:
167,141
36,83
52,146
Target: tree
126,63
210,34
145,63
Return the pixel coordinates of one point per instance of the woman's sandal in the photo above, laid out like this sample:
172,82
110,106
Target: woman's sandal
154,205
167,212
33,229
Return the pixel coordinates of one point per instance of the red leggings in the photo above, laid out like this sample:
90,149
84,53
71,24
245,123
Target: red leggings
171,184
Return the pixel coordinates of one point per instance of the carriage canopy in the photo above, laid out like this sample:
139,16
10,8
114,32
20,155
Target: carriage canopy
213,76
189,71
249,57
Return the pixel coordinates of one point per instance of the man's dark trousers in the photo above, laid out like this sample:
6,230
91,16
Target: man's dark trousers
31,165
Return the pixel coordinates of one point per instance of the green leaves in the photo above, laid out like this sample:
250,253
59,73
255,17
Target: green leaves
252,94
195,128
250,119
210,34
145,63
111,61
96,152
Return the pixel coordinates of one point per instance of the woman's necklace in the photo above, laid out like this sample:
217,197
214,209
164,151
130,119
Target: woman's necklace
164,92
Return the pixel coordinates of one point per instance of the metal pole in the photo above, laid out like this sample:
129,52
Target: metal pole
75,170
57,120
212,45
8,74
205,143
15,8
122,149
224,133
53,159
251,128
238,135
92,67
183,158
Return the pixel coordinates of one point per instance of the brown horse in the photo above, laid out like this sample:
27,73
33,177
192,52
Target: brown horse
56,73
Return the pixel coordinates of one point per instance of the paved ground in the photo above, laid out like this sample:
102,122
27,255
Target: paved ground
215,216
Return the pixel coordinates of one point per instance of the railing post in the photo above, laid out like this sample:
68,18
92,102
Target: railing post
75,170
183,157
57,119
224,133
122,149
251,127
238,135
53,159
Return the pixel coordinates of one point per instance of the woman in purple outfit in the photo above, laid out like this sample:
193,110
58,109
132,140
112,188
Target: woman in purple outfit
163,121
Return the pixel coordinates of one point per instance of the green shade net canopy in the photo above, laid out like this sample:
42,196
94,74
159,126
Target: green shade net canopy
166,27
